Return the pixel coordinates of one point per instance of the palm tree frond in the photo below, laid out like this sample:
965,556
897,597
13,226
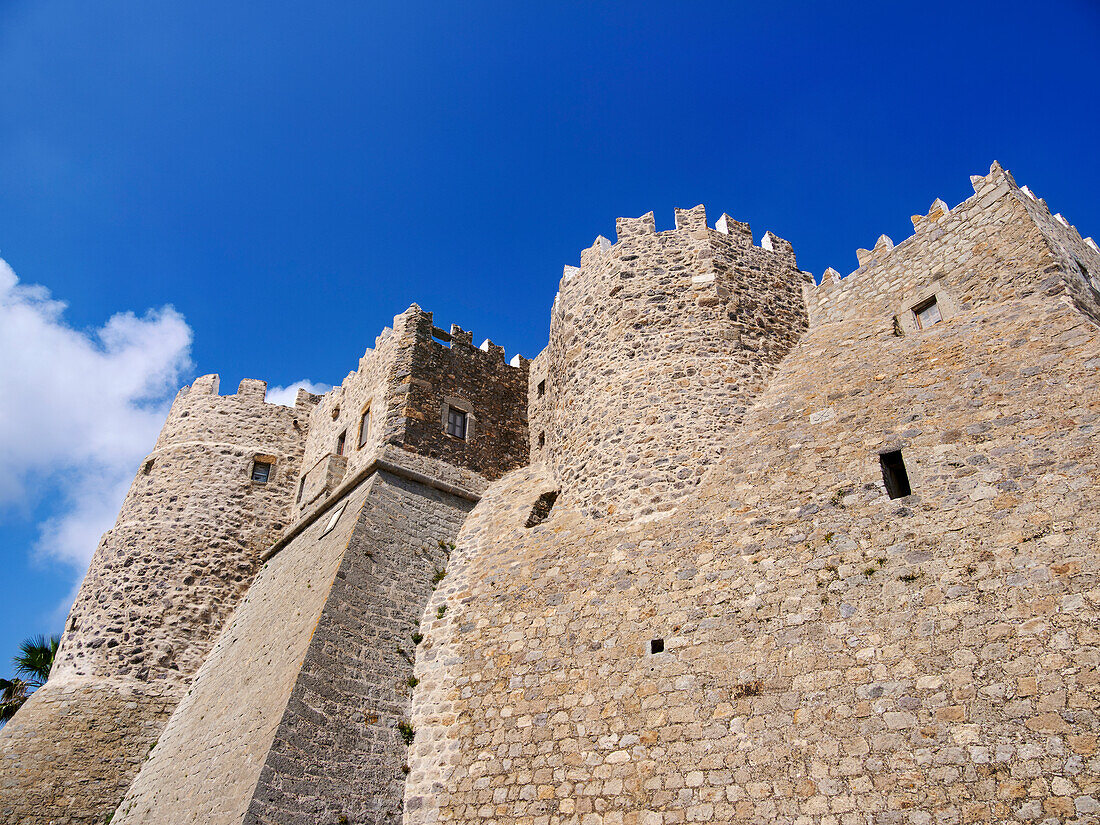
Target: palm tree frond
35,658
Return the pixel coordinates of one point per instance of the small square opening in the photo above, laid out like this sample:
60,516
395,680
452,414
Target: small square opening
894,475
261,471
927,313
656,646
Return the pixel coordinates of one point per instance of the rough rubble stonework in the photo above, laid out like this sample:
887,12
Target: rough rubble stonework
660,581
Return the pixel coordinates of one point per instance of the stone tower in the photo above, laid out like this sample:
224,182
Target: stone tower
214,493
296,714
658,343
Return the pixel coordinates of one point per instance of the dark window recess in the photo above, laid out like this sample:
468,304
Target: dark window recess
656,645
301,487
893,474
542,388
261,471
340,440
364,426
456,423
542,440
928,313
147,467
541,511
898,331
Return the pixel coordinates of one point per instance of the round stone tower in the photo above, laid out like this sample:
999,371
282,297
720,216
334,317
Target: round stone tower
658,343
216,491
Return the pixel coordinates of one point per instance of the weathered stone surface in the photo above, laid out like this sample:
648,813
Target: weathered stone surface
698,602
829,655
657,346
294,717
161,584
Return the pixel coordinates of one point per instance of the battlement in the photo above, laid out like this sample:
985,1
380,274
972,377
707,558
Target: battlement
250,389
401,394
991,246
717,517
690,223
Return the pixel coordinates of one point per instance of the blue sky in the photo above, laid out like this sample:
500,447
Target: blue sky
258,194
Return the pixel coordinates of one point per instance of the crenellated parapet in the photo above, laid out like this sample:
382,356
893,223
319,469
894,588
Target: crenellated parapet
658,342
1001,243
401,396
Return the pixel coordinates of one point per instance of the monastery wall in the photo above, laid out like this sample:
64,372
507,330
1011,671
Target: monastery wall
784,553
294,717
1079,257
447,371
826,654
372,386
161,584
998,244
658,344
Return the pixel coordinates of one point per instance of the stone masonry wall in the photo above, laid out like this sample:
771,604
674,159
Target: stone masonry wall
1079,257
188,538
831,656
294,718
207,762
405,381
828,655
340,410
988,248
161,584
71,751
476,380
338,751
658,343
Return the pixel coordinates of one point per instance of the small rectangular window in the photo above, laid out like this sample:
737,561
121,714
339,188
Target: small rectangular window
261,471
340,439
542,388
928,313
894,475
364,427
542,440
456,423
301,487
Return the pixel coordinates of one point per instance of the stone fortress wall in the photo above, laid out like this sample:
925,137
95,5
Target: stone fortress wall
296,714
658,343
680,589
999,244
161,585
791,644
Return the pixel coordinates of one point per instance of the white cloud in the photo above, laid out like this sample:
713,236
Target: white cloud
285,395
78,410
